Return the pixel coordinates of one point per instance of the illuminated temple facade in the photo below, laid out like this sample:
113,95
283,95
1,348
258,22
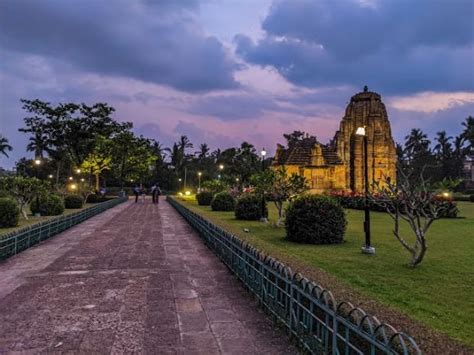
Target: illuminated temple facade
339,165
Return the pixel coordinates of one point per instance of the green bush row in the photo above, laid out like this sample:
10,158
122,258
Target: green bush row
9,213
47,205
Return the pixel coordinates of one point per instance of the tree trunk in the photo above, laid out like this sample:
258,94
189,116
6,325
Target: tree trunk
418,256
23,212
279,207
97,182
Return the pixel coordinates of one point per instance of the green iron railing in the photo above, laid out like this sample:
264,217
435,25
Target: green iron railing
19,240
309,312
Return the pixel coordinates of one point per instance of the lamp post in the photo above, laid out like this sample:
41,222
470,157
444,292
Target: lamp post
221,167
37,163
367,248
263,153
199,181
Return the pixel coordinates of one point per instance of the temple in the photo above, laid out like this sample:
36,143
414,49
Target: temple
339,165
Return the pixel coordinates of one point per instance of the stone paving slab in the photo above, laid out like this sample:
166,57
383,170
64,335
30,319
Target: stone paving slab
134,279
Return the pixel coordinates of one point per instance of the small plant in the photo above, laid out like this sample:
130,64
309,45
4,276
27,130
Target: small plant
73,201
412,200
23,190
315,219
223,201
9,213
204,198
48,205
249,208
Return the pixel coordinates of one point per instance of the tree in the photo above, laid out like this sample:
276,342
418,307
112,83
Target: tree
279,187
418,156
443,151
23,190
4,146
411,200
468,132
99,160
69,132
296,136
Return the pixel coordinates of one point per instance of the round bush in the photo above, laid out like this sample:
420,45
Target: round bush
204,198
249,208
93,198
315,219
73,201
223,201
9,213
49,205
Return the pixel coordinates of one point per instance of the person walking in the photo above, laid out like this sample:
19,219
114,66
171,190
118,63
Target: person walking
143,192
136,192
158,193
153,193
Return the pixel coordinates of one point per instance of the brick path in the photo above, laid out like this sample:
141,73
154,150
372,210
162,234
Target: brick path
134,279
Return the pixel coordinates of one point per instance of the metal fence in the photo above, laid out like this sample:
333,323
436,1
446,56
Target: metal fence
19,240
309,312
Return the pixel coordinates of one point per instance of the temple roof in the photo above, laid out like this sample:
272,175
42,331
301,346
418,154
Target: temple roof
301,152
366,95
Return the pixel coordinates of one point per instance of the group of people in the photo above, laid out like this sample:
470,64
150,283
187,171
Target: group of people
142,191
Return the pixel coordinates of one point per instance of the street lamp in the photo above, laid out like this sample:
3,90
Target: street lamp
78,171
367,248
221,167
263,153
37,163
71,178
50,176
199,181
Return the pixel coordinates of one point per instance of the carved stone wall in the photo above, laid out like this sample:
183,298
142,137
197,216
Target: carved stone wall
366,109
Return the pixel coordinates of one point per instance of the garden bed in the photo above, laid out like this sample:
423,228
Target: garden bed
429,301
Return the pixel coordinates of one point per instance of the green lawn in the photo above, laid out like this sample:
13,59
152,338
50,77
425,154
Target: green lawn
32,219
439,292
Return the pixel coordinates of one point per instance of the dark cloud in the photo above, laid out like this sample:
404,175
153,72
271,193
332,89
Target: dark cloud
396,46
152,41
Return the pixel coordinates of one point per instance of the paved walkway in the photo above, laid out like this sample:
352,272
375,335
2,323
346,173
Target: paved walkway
134,279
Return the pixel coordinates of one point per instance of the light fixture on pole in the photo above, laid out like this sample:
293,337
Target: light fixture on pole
199,181
367,248
37,163
221,167
78,171
263,153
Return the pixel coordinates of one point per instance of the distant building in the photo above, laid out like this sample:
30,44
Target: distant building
339,165
469,171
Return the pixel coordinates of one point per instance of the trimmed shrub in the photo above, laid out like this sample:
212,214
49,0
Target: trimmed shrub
9,213
73,201
471,198
49,205
93,198
223,201
204,198
315,219
249,208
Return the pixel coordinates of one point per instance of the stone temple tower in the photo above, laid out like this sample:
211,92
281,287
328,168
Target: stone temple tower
366,109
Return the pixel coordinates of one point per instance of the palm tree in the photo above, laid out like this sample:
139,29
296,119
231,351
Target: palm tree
203,151
443,148
38,144
4,146
416,144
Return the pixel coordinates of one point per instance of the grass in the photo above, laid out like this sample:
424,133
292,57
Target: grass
438,293
33,219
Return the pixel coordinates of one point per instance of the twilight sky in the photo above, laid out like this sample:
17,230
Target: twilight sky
224,71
